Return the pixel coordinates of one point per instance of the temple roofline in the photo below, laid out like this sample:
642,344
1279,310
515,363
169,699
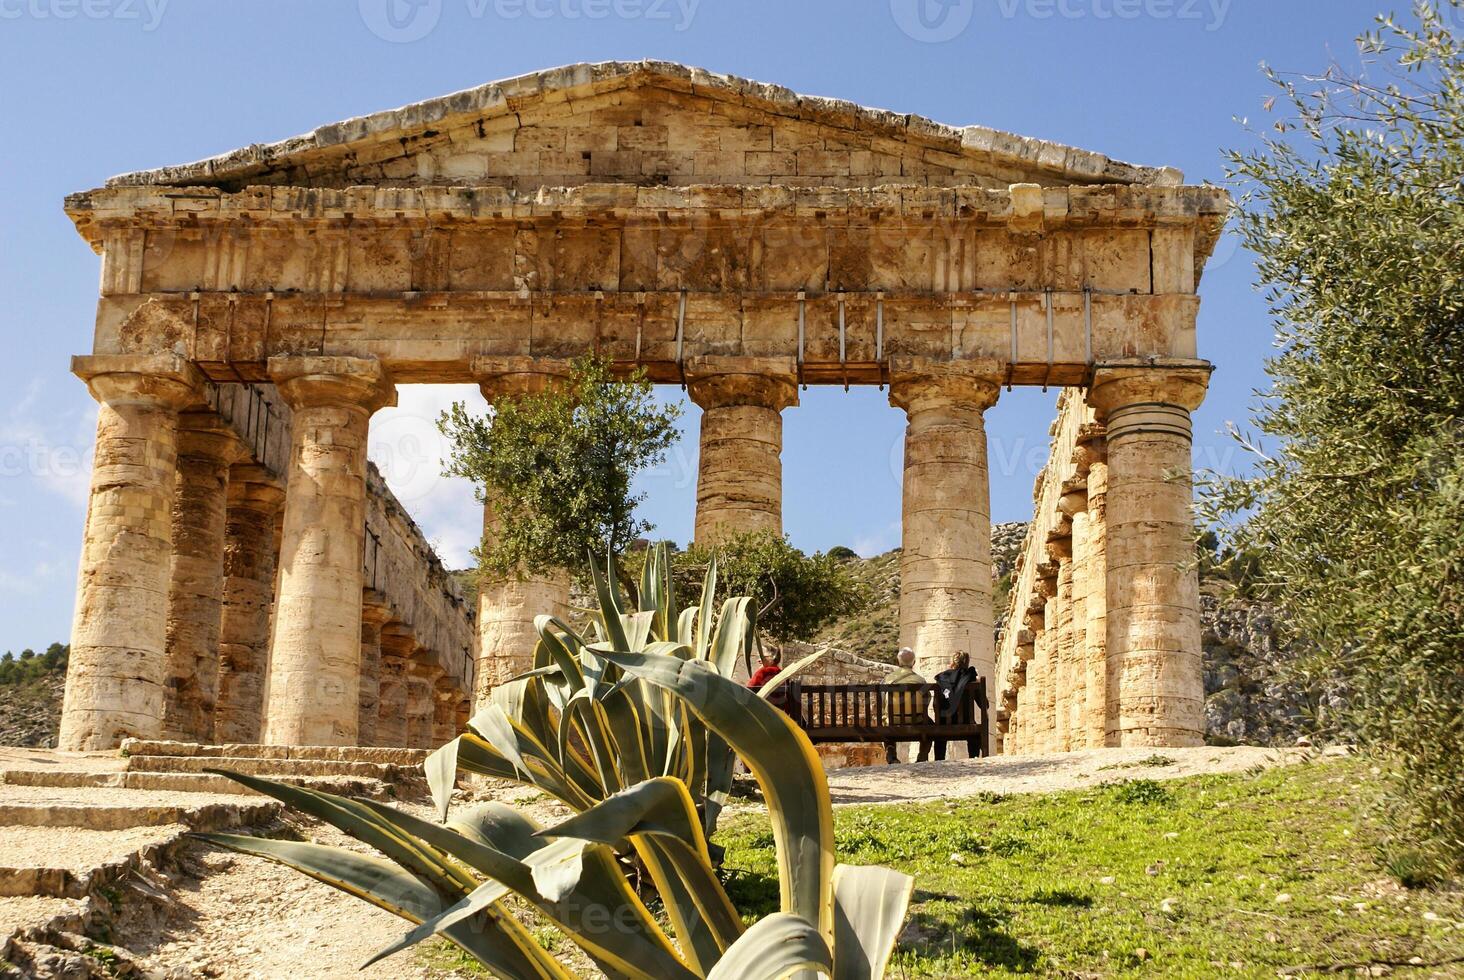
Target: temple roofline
513,95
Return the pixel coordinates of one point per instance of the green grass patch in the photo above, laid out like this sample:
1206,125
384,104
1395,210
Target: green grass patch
1246,875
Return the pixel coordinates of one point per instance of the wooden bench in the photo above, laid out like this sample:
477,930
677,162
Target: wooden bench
883,712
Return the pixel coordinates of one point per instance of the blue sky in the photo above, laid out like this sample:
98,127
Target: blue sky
98,87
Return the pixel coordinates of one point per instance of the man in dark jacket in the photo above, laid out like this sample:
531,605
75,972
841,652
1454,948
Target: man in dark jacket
953,682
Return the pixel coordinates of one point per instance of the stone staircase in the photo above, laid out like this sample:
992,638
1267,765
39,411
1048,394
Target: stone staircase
83,834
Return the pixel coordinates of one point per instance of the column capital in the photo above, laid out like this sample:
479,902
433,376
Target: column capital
206,434
719,382
517,376
314,381
374,609
1119,384
251,482
1089,448
923,382
165,380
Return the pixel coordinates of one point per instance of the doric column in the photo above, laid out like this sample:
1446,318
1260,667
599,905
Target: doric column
507,606
945,561
250,564
1078,700
115,680
315,656
1060,551
1093,464
739,483
397,647
374,615
1155,672
1018,738
207,447
1044,642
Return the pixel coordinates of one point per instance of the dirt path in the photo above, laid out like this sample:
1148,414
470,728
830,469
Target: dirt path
1042,773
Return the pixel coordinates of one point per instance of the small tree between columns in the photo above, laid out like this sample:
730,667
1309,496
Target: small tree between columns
558,466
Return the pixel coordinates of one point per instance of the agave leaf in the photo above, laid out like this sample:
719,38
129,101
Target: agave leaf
568,882
622,717
637,626
559,654
730,635
365,876
663,808
356,820
650,583
494,726
592,726
668,591
780,757
487,894
704,619
775,946
495,938
686,628
602,886
525,701
441,770
869,910
532,761
789,672
609,616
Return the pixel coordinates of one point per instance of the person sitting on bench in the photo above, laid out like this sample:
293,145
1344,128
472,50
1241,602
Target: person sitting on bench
906,707
953,682
770,661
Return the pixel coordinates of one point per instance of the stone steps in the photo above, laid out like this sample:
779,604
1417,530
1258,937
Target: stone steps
273,768
66,850
134,747
185,782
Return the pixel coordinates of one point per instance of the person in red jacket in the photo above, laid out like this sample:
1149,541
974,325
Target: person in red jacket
771,661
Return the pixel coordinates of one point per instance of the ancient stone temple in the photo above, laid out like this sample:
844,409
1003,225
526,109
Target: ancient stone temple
730,237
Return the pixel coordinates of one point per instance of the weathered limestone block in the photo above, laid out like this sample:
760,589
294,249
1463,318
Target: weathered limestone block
374,615
315,660
397,647
207,448
1155,671
255,498
507,607
739,485
421,698
446,697
945,564
115,680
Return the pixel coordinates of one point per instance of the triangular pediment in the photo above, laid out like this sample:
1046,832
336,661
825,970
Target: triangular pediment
647,123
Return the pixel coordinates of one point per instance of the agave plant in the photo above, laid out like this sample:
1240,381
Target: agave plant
635,729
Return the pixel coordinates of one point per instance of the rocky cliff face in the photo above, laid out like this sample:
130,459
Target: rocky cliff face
30,712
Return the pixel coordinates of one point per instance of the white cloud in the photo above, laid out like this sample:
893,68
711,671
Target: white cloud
410,452
877,541
49,445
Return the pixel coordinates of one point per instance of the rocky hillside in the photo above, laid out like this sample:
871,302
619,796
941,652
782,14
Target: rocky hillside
30,710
